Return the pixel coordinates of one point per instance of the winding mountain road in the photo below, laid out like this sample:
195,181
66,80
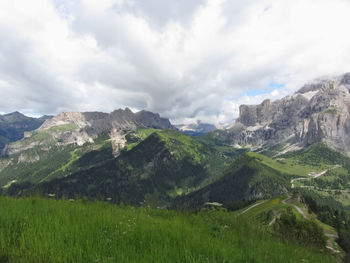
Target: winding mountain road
313,175
255,205
296,207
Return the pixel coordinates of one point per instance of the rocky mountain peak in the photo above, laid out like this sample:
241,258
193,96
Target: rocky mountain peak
345,79
153,120
81,127
319,111
46,117
14,116
14,125
250,115
65,118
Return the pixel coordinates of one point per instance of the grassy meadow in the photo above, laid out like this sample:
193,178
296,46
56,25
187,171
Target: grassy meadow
41,230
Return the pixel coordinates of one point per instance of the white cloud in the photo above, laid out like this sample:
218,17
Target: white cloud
182,59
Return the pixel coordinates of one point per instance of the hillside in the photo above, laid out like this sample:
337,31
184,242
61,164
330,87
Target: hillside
154,167
256,176
251,176
58,231
332,180
13,125
52,151
287,216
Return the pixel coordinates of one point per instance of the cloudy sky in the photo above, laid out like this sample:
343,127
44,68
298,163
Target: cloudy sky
186,59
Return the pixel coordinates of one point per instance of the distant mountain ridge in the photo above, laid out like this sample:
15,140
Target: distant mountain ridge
140,158
14,125
198,128
318,112
82,127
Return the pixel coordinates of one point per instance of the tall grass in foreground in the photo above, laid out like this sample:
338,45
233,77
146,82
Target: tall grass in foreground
40,230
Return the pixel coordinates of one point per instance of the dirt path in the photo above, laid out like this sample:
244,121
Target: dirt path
331,246
245,211
296,207
284,200
300,211
313,175
331,237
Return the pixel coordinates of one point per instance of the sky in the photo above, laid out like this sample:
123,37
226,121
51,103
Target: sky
187,59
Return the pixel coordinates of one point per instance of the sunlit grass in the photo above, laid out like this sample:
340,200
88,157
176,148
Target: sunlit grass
38,230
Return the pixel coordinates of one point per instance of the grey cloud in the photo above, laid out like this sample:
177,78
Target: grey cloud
160,12
189,76
26,82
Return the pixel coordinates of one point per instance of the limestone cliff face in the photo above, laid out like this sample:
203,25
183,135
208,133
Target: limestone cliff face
82,127
318,112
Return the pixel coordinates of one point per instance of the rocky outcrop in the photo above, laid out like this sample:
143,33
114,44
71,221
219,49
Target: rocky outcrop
318,112
84,127
152,120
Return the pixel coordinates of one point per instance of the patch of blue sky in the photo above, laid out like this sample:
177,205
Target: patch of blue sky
62,8
267,8
274,85
270,87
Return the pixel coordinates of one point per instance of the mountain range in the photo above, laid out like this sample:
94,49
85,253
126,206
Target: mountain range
198,128
142,158
296,147
318,112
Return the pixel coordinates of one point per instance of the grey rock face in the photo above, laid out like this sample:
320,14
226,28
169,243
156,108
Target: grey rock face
152,120
79,128
346,79
318,112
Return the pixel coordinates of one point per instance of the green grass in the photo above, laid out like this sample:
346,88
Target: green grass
268,212
46,136
183,146
341,197
56,162
258,214
336,182
136,137
277,206
39,230
272,150
288,166
73,157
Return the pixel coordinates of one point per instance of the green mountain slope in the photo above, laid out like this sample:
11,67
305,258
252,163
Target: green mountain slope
154,167
47,160
13,126
291,219
251,176
332,180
